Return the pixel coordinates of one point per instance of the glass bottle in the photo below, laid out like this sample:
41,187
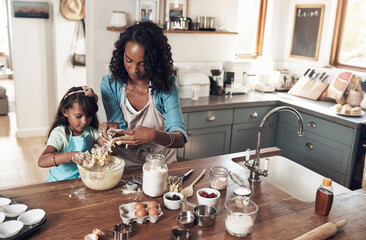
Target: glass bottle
154,175
324,197
219,177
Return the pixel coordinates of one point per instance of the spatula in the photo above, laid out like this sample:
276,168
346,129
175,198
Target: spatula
188,191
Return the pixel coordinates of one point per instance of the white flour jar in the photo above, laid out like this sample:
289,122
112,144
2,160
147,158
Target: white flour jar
154,175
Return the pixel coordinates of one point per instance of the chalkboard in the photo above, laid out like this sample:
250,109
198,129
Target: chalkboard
308,21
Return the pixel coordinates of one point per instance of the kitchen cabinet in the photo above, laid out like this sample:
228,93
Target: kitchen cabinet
245,128
209,133
327,148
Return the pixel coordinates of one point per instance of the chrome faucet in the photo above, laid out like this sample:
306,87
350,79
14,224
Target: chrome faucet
254,167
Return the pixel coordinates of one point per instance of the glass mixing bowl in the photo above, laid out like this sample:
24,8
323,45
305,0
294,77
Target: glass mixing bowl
102,177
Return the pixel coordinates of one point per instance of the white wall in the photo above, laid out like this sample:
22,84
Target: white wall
42,68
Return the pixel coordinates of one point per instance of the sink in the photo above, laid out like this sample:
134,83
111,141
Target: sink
295,179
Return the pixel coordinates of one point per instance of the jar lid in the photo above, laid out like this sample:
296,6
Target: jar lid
242,192
327,182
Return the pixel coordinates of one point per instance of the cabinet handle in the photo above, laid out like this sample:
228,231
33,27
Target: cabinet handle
310,145
254,115
210,118
312,124
189,133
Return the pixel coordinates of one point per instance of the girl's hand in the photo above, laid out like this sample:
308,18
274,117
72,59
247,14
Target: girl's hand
103,128
80,157
136,136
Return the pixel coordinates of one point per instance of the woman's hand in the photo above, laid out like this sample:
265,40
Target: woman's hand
136,136
103,130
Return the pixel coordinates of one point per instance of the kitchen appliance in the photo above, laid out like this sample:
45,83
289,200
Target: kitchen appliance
236,77
283,80
188,80
216,82
180,23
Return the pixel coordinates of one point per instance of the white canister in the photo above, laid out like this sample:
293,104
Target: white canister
118,19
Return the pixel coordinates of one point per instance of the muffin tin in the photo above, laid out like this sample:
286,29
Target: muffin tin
17,220
127,213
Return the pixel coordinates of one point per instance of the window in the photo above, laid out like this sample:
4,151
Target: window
251,19
349,40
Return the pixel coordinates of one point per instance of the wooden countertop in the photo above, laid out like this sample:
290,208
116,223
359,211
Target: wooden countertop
321,109
73,210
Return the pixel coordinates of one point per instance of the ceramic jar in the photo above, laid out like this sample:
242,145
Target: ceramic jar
118,19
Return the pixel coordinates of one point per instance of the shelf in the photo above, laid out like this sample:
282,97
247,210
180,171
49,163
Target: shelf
198,32
115,29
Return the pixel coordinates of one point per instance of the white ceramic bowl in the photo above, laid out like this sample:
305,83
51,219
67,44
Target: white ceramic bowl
172,204
10,228
208,201
31,217
13,210
102,178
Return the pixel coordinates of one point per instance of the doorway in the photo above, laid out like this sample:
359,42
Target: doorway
6,73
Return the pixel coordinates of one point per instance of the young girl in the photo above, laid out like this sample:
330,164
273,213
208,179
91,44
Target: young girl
73,131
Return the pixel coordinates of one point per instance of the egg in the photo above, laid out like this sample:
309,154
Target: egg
152,204
141,212
153,212
139,205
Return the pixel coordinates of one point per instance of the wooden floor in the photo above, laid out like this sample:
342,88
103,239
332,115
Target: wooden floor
19,156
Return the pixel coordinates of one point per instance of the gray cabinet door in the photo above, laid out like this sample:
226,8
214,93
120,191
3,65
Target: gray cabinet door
246,126
326,148
245,135
208,142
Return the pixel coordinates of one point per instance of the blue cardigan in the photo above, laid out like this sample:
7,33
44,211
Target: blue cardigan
166,103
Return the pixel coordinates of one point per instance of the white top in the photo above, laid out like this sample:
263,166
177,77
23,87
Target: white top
132,109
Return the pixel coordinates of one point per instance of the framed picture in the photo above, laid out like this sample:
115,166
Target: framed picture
175,8
31,9
148,10
307,29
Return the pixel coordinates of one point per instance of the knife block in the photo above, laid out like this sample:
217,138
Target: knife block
307,88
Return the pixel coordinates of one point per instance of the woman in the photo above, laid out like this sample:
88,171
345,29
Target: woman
140,97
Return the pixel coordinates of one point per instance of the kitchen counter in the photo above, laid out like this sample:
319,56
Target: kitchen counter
73,210
319,109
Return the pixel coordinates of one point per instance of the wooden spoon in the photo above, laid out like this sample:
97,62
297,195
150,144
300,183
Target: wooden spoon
188,191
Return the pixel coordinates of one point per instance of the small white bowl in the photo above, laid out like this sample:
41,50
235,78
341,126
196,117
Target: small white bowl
13,210
208,201
10,228
173,204
31,217
4,201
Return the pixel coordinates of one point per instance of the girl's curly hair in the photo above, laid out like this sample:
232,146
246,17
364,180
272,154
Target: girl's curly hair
158,60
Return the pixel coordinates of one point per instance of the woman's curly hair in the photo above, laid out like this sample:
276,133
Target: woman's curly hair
158,60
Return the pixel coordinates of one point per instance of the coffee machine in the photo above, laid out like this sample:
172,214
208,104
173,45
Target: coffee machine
236,76
216,82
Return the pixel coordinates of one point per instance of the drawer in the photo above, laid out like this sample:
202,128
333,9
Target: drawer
250,114
210,118
320,127
323,152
